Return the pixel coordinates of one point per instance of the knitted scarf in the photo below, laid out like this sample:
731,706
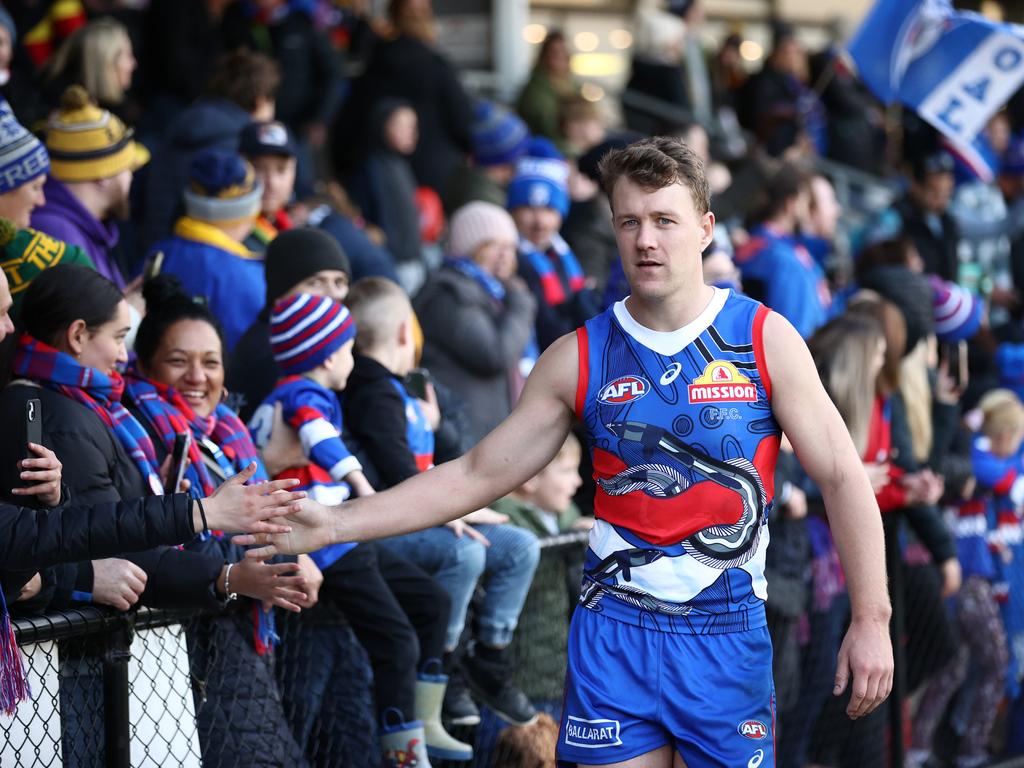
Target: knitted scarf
542,263
484,279
170,414
97,391
13,680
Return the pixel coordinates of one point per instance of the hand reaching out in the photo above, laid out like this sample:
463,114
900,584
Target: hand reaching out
235,506
269,583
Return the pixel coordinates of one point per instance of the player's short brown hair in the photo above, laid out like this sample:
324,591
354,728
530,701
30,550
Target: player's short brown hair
654,164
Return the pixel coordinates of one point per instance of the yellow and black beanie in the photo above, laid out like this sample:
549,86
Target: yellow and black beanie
87,143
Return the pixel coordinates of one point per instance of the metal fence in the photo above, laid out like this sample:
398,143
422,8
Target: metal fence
158,688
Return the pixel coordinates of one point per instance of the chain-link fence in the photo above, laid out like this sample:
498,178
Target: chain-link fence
157,688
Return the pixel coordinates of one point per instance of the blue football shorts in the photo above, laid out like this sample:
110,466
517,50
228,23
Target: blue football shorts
630,690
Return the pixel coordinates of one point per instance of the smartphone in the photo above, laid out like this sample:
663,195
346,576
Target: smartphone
33,423
154,266
955,357
179,460
416,382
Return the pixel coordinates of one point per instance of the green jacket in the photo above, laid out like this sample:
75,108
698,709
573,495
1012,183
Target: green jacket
530,516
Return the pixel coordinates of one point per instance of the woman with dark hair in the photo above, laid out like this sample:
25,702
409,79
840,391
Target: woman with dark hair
75,322
177,386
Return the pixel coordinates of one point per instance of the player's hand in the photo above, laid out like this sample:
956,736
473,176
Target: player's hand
117,583
952,576
43,474
305,529
461,528
269,582
235,506
866,657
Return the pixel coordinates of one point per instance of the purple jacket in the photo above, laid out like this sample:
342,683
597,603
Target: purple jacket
65,218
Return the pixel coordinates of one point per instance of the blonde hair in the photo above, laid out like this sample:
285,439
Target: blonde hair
843,350
1002,412
379,307
916,390
570,446
90,53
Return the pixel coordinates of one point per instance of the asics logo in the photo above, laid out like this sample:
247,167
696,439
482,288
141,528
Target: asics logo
756,760
671,373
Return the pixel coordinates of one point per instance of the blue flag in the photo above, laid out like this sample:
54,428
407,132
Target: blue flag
954,68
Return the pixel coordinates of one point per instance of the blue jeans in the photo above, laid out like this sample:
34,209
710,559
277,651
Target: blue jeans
457,564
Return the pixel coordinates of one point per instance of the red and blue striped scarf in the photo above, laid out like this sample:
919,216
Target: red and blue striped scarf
556,290
170,414
100,393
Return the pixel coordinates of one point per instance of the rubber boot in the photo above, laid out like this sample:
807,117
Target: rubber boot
429,698
404,745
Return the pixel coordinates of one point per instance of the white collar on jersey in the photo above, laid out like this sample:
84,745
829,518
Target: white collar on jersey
669,343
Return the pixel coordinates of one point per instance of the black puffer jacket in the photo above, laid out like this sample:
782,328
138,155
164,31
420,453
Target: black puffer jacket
39,538
97,470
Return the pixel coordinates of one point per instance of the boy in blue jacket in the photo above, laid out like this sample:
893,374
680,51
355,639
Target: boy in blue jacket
396,610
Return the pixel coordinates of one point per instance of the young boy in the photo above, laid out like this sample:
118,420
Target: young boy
544,503
396,610
397,431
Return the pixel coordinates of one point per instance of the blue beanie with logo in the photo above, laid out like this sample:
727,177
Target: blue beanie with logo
541,180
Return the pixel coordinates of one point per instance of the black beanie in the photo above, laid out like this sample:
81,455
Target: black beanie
912,295
299,253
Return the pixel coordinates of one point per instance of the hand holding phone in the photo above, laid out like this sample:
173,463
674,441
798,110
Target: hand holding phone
179,461
416,382
33,423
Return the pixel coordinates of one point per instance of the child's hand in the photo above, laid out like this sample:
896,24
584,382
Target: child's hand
460,529
283,449
485,516
583,524
431,410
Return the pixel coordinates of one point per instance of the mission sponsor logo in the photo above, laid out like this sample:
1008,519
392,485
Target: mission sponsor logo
592,734
722,383
753,729
624,389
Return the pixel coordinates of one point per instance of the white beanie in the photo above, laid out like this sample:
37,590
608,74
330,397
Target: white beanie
478,223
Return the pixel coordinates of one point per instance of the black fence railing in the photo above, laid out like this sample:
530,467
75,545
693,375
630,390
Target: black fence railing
160,688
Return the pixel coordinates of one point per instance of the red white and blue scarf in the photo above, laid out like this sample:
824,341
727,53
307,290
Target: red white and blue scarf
170,414
97,391
557,290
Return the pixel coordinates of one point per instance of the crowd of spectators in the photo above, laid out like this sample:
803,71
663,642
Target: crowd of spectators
287,222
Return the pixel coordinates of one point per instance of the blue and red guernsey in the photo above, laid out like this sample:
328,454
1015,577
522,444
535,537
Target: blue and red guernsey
418,432
683,443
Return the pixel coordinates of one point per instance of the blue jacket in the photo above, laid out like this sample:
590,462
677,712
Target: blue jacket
210,264
780,272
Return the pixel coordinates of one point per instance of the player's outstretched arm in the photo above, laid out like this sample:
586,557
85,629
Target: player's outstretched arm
823,445
515,451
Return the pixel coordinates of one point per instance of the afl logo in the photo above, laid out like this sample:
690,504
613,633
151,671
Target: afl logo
753,729
624,389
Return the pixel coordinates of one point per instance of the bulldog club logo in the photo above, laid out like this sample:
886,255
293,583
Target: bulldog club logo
722,383
624,389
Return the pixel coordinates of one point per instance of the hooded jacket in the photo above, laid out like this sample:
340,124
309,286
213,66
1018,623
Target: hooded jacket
65,218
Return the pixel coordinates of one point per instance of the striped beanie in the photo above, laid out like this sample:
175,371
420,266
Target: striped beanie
957,311
87,143
541,180
22,156
305,330
499,137
222,187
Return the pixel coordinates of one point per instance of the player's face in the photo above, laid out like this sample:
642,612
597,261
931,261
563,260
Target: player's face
660,236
